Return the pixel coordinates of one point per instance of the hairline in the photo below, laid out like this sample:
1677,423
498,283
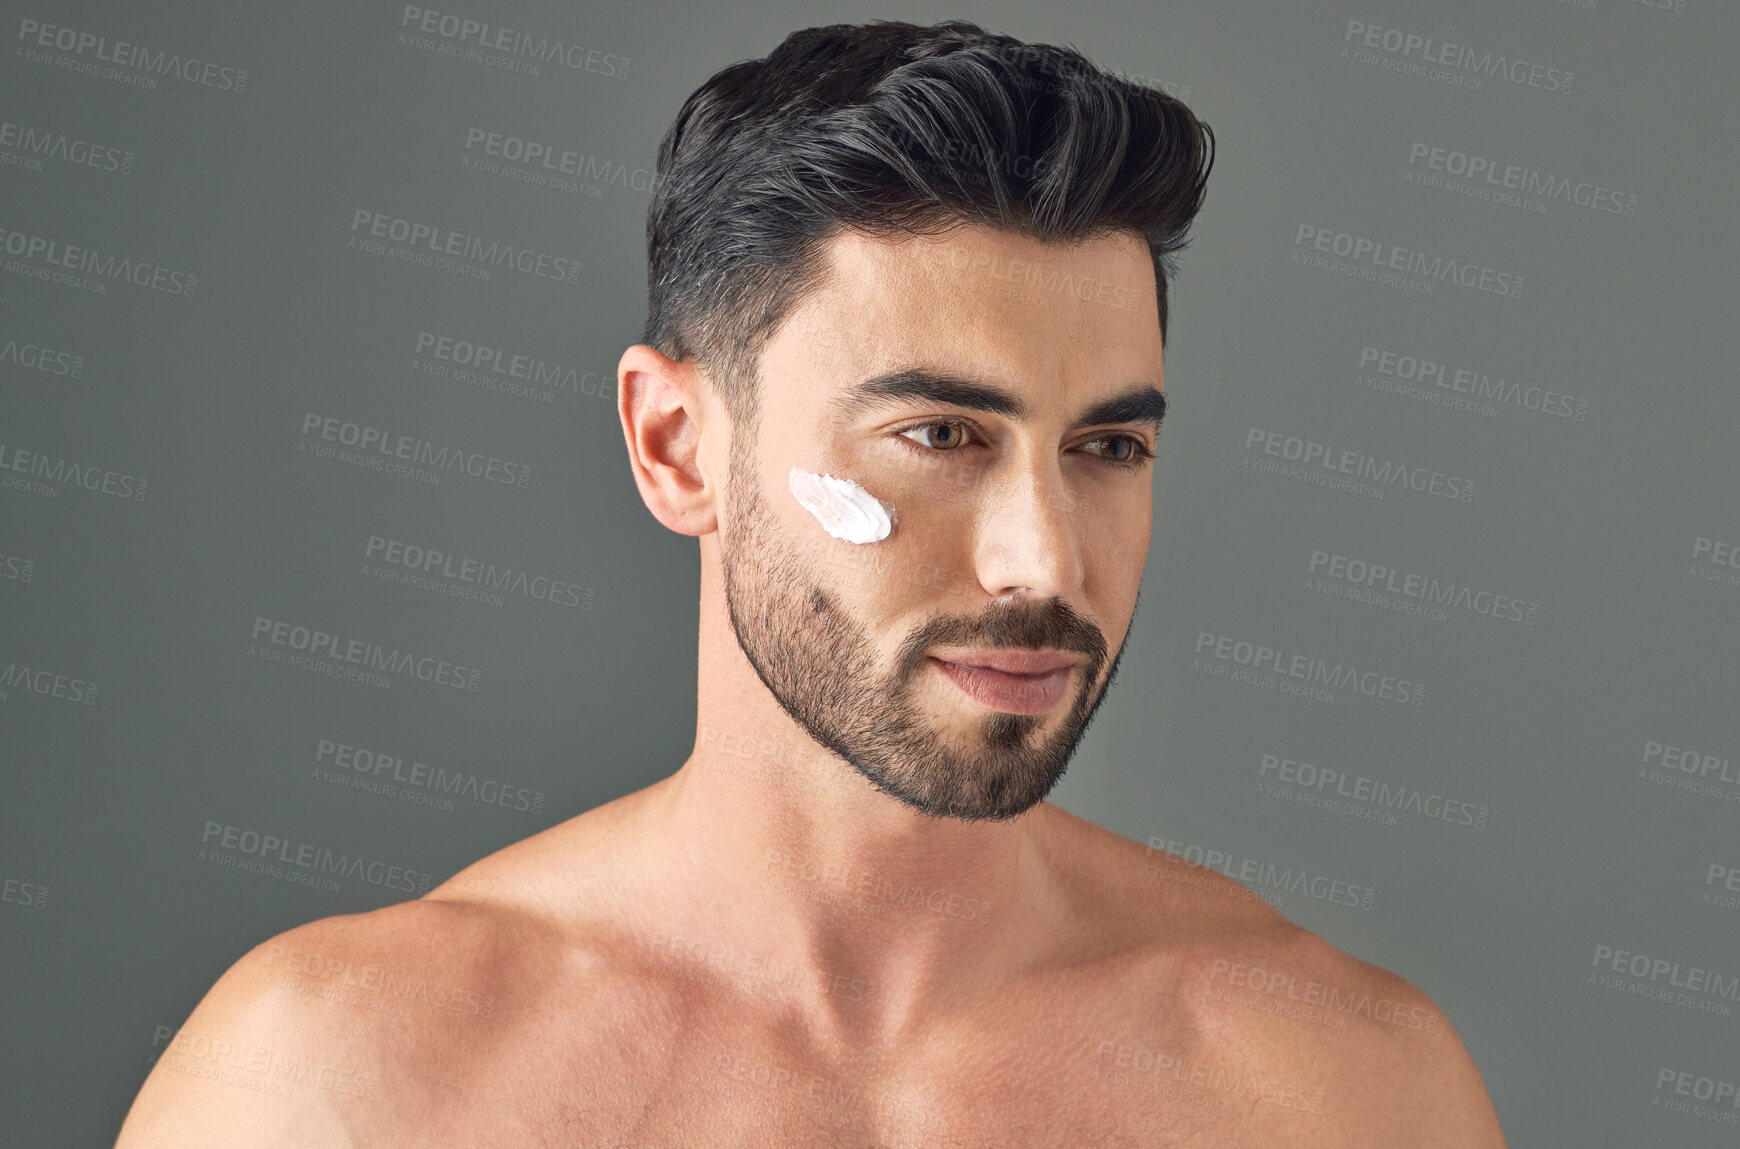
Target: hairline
818,260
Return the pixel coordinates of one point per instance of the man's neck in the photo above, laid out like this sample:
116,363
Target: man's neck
865,912
769,850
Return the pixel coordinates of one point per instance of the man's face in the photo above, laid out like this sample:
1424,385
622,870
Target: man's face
1012,533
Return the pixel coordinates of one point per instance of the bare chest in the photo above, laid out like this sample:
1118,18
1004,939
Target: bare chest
723,1089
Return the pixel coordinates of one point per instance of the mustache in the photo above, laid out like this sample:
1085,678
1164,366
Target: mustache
1047,623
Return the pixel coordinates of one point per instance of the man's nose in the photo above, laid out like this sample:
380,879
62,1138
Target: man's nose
1030,533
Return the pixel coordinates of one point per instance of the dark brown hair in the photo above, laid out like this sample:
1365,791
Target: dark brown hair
889,128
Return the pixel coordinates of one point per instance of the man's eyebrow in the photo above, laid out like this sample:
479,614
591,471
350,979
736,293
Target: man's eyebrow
1141,403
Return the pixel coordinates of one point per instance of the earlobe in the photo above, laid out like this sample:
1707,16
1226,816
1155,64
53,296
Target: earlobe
659,405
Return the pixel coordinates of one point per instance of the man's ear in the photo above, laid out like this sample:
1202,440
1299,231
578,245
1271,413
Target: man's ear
660,404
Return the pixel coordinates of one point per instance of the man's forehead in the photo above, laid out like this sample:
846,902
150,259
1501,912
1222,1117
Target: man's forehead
983,304
979,263
849,244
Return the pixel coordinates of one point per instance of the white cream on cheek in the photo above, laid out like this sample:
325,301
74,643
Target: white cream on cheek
845,510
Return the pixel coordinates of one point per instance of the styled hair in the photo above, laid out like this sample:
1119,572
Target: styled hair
887,128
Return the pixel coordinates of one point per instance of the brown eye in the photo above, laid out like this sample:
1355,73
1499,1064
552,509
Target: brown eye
1125,455
954,438
1137,455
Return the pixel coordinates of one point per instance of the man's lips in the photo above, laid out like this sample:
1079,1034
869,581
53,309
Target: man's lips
1010,661
1012,693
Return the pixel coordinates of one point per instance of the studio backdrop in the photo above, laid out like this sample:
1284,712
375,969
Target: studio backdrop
323,574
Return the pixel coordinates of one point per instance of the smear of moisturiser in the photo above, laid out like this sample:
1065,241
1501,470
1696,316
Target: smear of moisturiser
845,510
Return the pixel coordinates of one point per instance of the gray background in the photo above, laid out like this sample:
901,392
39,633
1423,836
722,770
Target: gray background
112,924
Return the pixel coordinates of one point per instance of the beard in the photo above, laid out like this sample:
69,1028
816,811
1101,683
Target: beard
819,663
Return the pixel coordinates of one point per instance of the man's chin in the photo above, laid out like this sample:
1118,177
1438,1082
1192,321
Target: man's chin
996,799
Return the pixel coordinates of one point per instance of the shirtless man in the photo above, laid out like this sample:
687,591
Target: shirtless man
850,918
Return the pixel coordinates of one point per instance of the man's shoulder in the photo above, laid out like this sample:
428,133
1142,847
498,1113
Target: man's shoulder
1218,991
499,926
287,1043
489,942
439,944
360,1020
1142,888
1353,1041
